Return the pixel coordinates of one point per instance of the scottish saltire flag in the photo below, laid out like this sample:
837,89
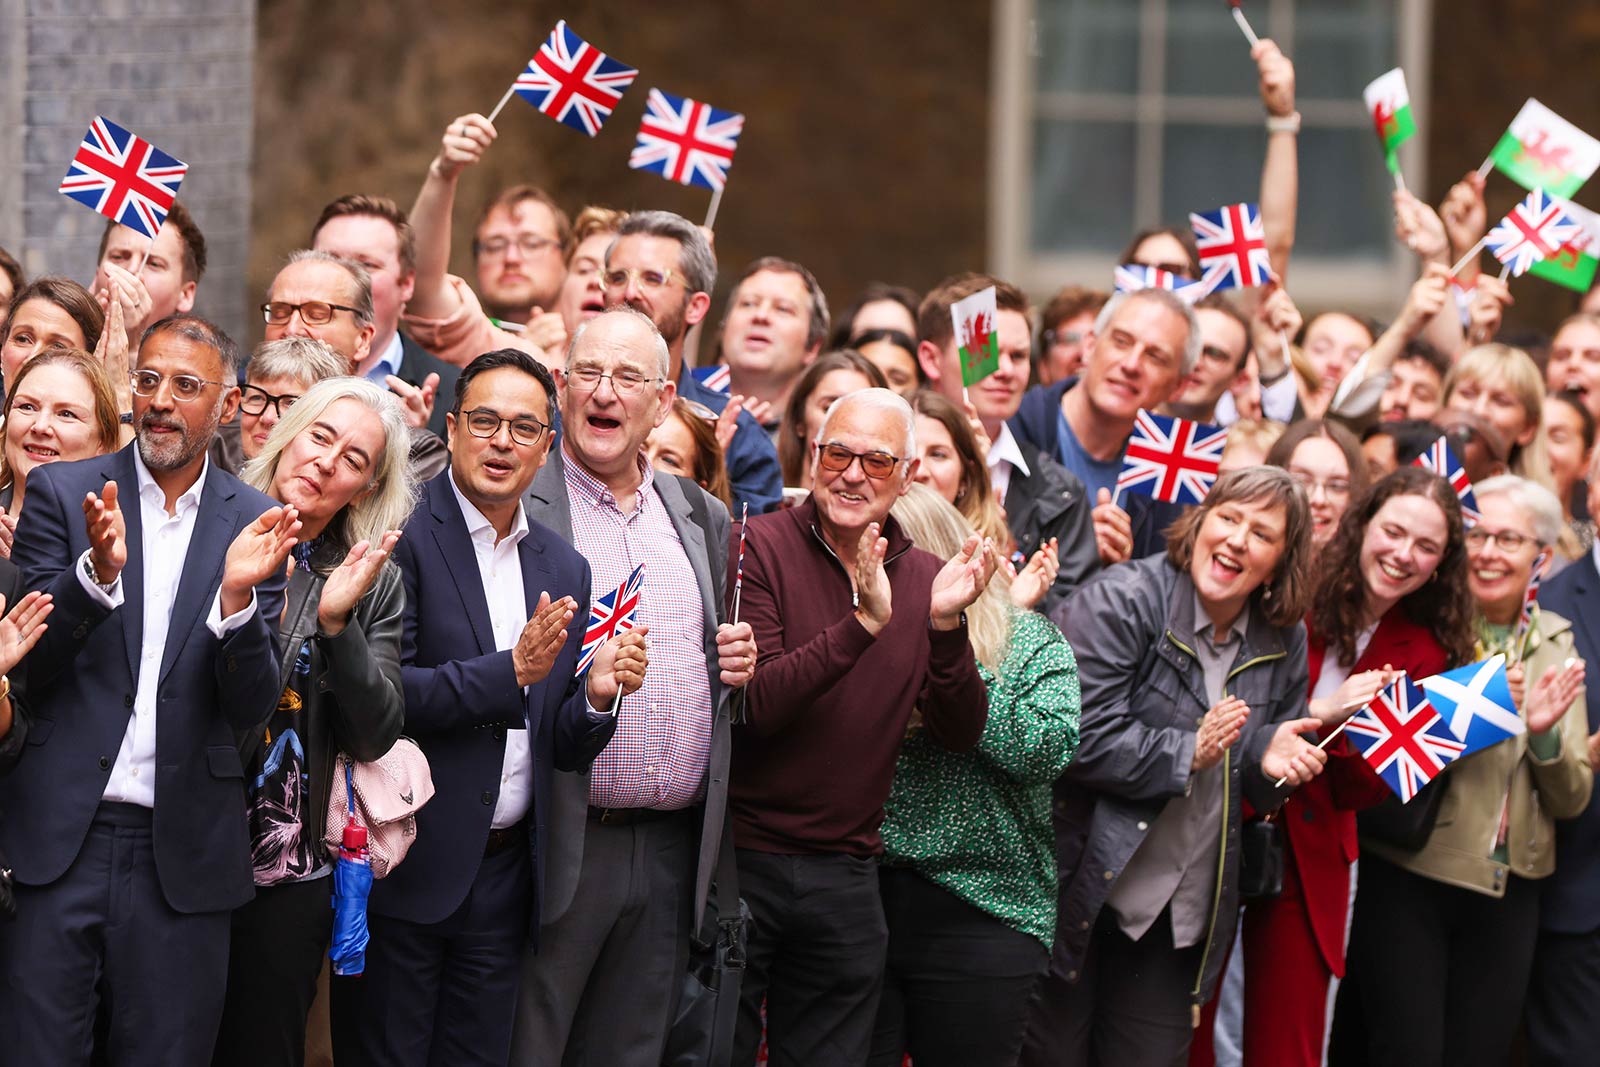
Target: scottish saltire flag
1132,277
1536,229
1171,459
717,377
686,141
574,82
1476,703
610,614
124,177
1233,246
1403,738
1438,458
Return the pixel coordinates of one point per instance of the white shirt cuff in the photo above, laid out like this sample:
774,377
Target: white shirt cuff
223,627
110,600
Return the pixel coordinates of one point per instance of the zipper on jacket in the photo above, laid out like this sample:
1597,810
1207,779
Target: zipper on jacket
855,594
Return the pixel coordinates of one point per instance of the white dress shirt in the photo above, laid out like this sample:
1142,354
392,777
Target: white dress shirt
165,540
500,570
1005,456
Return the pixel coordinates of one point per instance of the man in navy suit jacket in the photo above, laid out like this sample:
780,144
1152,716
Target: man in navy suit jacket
489,651
168,578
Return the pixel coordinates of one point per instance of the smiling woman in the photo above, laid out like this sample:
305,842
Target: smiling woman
60,407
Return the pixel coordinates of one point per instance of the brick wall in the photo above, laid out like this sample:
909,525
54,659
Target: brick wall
178,72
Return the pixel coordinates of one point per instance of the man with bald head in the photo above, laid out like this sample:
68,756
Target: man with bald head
856,628
634,842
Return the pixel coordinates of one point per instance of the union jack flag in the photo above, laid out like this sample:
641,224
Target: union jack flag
1438,458
1530,596
1535,229
1171,459
610,614
1403,738
716,378
686,141
1131,277
574,82
1233,246
124,177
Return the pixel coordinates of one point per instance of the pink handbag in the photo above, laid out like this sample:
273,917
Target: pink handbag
384,796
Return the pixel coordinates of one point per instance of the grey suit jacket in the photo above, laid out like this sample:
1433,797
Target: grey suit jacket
547,503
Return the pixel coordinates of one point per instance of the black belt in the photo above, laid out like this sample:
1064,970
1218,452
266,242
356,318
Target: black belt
631,816
500,840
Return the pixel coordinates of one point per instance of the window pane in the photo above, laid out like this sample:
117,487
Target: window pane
1082,186
1341,45
1345,204
1206,53
1204,167
1087,46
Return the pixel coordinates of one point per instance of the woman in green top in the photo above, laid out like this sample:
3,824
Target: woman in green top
969,869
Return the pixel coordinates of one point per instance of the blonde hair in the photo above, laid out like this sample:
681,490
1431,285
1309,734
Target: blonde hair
1523,379
934,525
393,490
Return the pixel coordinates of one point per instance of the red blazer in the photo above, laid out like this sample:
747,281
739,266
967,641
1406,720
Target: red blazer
1319,818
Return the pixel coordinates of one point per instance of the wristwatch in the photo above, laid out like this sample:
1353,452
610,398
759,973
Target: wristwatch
89,571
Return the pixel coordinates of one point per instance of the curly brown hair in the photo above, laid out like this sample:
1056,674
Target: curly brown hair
1443,605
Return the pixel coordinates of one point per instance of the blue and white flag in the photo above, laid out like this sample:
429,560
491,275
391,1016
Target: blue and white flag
1475,701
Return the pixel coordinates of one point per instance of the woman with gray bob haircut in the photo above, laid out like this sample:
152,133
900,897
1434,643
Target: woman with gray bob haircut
339,458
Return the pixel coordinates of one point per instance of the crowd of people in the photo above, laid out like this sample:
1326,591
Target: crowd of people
916,739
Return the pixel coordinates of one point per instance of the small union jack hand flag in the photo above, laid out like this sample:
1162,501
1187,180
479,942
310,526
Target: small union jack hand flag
1403,738
1438,458
717,377
1171,459
610,614
1131,277
686,141
574,82
1535,230
124,177
1233,246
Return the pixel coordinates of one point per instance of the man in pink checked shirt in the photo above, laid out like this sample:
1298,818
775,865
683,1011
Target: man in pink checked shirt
633,844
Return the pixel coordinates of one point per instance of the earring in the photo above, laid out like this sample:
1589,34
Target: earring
1266,593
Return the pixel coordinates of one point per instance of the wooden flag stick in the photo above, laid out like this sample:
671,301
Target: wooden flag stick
1244,24
617,703
1399,182
738,576
1464,260
716,202
1337,730
144,257
1505,272
1488,165
503,101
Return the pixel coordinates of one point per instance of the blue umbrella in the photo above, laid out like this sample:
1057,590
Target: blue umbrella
352,881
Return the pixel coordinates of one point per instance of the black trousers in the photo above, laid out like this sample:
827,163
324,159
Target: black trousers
1563,994
279,941
958,980
102,937
1129,1005
816,955
441,994
1437,973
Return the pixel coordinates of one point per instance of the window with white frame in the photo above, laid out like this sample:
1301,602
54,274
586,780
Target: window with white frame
1114,115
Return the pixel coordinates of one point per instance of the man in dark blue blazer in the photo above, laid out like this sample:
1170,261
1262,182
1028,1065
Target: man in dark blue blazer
1565,984
167,575
489,651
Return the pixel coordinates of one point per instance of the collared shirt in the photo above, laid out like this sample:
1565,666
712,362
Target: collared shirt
658,756
1176,863
165,542
387,362
1005,456
500,571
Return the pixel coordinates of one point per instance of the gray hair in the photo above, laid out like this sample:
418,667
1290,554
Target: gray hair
301,359
658,343
361,300
395,492
695,259
1167,299
1530,498
878,400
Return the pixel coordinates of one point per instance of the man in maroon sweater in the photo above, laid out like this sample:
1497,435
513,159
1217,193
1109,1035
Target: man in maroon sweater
857,629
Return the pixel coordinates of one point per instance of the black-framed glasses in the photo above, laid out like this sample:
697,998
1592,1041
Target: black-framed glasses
486,422
312,312
256,400
529,244
648,280
875,465
1504,540
623,382
184,387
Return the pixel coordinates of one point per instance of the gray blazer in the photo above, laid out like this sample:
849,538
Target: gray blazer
547,503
